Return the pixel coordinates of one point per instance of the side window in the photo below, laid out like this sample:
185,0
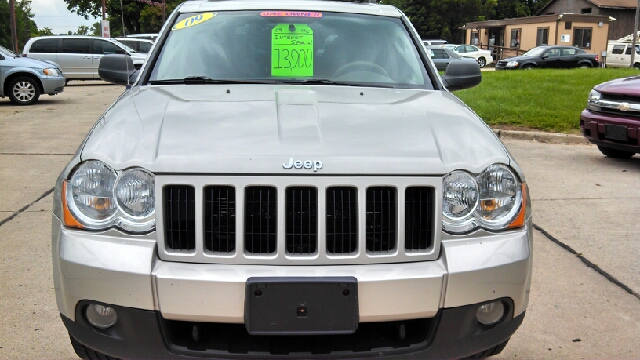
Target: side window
145,47
460,49
103,47
48,46
617,49
439,54
553,53
471,48
76,46
567,52
628,51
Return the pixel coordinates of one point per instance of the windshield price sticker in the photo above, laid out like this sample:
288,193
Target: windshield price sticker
193,21
292,50
291,13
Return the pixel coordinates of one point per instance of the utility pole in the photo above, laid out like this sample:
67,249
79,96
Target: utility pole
14,29
635,36
104,10
163,11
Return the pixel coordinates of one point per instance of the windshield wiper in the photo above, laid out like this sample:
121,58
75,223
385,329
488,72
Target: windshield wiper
331,82
196,80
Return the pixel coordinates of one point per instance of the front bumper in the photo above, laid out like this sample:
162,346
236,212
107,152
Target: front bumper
126,272
52,85
592,125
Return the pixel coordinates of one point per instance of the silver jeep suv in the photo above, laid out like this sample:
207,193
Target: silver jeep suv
290,179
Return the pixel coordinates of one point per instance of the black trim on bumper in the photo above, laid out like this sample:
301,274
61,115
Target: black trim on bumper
453,333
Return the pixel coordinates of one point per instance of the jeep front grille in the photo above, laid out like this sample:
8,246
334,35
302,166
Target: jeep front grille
342,220
302,220
381,219
419,209
260,219
220,219
298,220
179,217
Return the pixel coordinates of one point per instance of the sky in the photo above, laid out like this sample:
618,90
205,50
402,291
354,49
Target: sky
54,14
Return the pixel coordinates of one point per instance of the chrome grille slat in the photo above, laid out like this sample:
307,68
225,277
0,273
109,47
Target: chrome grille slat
219,219
339,231
301,226
179,212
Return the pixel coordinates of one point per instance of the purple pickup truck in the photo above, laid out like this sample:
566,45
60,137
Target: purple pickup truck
612,117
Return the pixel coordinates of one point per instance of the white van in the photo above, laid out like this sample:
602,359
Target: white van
78,56
619,54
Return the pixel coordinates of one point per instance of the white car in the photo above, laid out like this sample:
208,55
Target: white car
483,57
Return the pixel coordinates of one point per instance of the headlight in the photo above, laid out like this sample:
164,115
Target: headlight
51,72
97,198
492,200
135,194
594,96
511,64
500,192
460,198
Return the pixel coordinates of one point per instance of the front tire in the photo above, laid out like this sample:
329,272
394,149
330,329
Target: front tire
616,154
527,67
24,90
482,62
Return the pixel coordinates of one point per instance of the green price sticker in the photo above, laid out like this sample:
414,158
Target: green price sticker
292,50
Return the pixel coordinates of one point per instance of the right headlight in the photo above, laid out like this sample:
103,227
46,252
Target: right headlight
594,97
492,200
97,198
511,64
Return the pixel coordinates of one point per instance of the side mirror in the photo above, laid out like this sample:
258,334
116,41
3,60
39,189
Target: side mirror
462,74
1,57
116,69
121,52
544,56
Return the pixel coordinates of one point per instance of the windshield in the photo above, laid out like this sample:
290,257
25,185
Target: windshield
290,47
6,51
535,51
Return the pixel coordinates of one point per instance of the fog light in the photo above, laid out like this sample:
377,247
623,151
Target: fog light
101,316
491,313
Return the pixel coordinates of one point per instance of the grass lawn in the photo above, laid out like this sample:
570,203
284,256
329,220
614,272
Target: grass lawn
542,99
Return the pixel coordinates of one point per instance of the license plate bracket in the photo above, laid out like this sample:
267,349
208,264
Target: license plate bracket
616,132
301,305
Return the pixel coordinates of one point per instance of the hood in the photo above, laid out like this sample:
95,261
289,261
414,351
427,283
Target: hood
626,86
519,58
256,129
29,62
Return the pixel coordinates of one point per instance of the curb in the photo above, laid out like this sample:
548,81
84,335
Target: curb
550,138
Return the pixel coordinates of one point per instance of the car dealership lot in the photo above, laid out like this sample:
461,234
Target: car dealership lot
580,199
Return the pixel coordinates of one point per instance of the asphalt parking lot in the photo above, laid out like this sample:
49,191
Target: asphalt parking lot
584,303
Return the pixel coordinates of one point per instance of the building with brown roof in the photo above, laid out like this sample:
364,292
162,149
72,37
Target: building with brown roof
622,10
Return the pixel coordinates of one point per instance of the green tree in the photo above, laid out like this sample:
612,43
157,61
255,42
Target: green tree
83,30
24,23
137,17
45,31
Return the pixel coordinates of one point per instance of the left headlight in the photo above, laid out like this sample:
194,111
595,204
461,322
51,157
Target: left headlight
493,200
512,64
97,198
51,72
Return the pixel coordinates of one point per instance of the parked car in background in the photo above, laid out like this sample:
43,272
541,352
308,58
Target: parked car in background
483,57
611,119
23,79
78,56
151,37
619,55
430,42
441,56
142,46
550,56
